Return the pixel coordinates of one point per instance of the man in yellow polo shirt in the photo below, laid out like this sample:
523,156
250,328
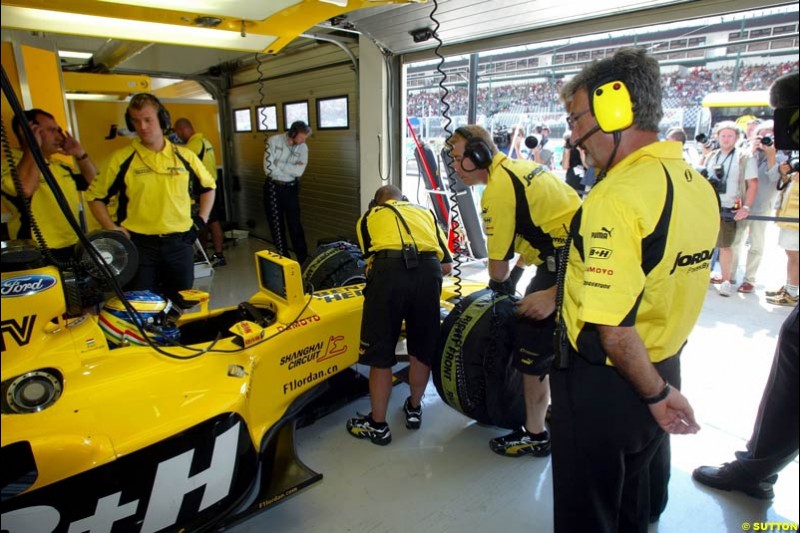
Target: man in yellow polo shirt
636,279
56,233
526,209
406,254
154,181
201,146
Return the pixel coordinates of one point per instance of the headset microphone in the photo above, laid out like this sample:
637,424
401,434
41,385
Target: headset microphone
579,142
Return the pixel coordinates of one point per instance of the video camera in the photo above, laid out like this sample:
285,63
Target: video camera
705,142
501,138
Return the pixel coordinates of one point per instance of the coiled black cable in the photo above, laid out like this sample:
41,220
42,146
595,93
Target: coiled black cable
269,183
455,223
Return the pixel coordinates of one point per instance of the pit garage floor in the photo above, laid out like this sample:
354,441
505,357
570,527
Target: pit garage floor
443,477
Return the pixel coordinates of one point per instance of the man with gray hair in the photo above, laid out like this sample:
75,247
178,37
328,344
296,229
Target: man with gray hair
635,281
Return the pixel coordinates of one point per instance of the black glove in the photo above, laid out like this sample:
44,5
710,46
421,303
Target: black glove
503,287
198,224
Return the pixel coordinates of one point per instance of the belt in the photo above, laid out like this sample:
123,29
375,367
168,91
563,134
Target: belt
398,254
285,183
159,235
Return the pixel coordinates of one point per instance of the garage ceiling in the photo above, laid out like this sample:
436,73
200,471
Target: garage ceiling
282,22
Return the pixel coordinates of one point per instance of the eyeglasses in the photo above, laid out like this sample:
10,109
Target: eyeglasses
572,119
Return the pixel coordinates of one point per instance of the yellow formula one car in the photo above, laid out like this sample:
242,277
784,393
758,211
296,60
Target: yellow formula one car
142,438
141,419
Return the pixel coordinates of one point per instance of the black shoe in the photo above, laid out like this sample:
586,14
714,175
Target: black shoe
218,260
520,442
730,476
364,427
413,414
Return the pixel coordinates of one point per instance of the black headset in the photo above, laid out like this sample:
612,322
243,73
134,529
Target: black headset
297,127
164,121
611,104
476,149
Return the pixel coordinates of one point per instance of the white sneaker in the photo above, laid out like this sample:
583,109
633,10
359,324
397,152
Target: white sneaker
725,288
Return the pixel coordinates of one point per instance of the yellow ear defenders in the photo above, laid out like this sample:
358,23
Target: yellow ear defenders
476,149
611,105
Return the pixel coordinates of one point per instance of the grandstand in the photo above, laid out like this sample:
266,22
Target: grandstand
520,86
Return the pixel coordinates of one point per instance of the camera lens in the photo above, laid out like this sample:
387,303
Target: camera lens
701,138
766,140
719,172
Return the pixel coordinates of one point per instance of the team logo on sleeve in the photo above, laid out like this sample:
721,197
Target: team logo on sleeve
604,233
599,253
696,261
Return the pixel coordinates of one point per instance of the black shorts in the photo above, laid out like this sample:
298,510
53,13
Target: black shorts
393,294
534,347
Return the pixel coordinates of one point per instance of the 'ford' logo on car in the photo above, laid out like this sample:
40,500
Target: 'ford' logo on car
26,285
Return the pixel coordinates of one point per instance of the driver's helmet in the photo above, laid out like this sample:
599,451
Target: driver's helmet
120,329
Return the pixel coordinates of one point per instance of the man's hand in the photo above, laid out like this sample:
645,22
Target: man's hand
674,414
538,305
122,230
71,146
740,214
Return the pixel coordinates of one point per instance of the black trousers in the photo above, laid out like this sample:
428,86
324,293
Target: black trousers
166,264
604,444
774,442
284,201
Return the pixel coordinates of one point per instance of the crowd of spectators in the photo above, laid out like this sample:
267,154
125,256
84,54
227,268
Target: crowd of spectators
683,88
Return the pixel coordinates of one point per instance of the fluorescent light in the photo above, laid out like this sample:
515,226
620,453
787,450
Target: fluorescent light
237,9
74,55
94,97
132,30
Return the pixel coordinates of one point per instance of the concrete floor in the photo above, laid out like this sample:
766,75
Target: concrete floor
444,478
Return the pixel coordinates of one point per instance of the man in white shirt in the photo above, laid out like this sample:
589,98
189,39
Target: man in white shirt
735,175
285,160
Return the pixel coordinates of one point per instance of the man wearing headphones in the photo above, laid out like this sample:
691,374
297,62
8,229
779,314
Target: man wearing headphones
201,146
636,278
406,254
155,181
54,229
525,202
285,160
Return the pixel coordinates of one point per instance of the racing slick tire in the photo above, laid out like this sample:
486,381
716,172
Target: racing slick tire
334,265
473,369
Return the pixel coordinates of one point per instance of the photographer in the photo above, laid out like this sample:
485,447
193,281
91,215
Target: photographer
762,150
734,174
706,145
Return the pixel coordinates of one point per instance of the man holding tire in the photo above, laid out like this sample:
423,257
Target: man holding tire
527,209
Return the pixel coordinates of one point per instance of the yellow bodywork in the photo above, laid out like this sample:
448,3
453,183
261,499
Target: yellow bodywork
117,401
